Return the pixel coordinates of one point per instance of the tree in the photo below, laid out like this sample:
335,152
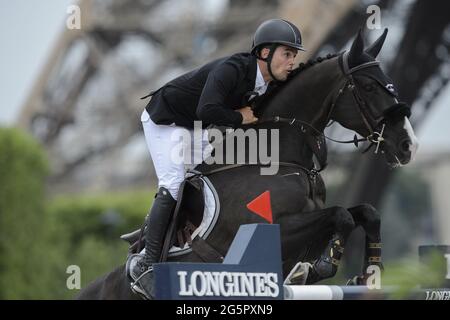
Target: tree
23,169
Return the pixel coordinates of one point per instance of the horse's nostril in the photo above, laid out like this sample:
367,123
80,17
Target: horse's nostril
404,145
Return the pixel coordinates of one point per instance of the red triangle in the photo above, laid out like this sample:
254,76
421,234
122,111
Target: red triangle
261,206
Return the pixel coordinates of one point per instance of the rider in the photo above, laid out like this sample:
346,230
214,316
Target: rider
217,93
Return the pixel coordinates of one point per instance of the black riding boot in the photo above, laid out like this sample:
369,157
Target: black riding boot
157,223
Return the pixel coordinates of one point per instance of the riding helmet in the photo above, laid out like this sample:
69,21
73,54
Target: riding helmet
277,31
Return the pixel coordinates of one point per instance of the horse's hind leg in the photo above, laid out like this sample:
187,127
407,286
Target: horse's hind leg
327,264
368,218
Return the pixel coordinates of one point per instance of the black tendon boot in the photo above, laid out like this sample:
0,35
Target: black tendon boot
326,266
157,223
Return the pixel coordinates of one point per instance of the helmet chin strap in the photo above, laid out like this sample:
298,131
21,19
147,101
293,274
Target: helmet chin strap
268,60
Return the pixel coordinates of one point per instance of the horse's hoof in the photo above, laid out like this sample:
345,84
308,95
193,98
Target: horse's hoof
356,281
298,274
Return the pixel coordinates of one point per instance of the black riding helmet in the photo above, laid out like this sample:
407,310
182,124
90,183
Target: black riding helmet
276,32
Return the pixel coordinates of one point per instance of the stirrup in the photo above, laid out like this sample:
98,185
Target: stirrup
149,269
138,288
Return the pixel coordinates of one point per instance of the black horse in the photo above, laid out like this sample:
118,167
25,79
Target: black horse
349,88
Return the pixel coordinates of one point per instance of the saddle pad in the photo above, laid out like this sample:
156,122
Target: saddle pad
210,215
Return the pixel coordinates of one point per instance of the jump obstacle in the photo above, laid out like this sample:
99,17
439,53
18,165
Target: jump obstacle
252,269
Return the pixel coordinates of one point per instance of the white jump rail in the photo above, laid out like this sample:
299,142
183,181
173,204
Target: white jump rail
326,292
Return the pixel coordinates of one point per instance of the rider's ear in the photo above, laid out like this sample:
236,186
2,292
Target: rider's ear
264,52
357,47
375,48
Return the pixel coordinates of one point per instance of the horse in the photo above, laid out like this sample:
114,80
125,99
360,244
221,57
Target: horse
349,88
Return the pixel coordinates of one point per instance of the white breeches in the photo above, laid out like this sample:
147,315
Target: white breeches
174,150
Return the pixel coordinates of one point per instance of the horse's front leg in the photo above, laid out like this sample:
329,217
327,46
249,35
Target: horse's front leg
368,218
327,264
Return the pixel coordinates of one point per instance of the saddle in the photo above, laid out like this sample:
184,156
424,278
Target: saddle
186,219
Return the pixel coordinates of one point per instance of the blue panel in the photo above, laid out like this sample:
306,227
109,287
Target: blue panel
251,270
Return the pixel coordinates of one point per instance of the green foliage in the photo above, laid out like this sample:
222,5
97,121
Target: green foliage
23,168
88,227
40,239
105,216
407,274
403,278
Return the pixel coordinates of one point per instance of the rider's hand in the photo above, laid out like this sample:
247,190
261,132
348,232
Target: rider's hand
247,115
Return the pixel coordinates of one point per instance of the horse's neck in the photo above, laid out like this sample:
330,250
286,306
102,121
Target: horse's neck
287,142
307,98
308,95
293,146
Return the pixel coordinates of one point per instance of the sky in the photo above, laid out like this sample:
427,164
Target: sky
28,30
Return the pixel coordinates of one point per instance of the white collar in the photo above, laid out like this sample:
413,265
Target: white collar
259,81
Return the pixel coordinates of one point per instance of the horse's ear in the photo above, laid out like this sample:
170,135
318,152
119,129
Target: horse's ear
375,48
357,47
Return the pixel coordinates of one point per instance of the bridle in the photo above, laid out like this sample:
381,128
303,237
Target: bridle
375,127
375,136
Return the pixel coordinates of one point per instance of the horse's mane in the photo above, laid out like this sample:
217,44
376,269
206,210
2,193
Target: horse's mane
265,99
311,62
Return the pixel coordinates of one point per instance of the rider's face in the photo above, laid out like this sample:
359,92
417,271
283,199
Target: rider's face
283,62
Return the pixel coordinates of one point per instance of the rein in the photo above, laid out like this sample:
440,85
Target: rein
293,121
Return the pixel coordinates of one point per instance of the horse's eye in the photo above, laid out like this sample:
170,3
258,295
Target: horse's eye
368,87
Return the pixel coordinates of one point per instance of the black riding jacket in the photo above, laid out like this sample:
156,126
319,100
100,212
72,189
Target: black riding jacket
210,93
